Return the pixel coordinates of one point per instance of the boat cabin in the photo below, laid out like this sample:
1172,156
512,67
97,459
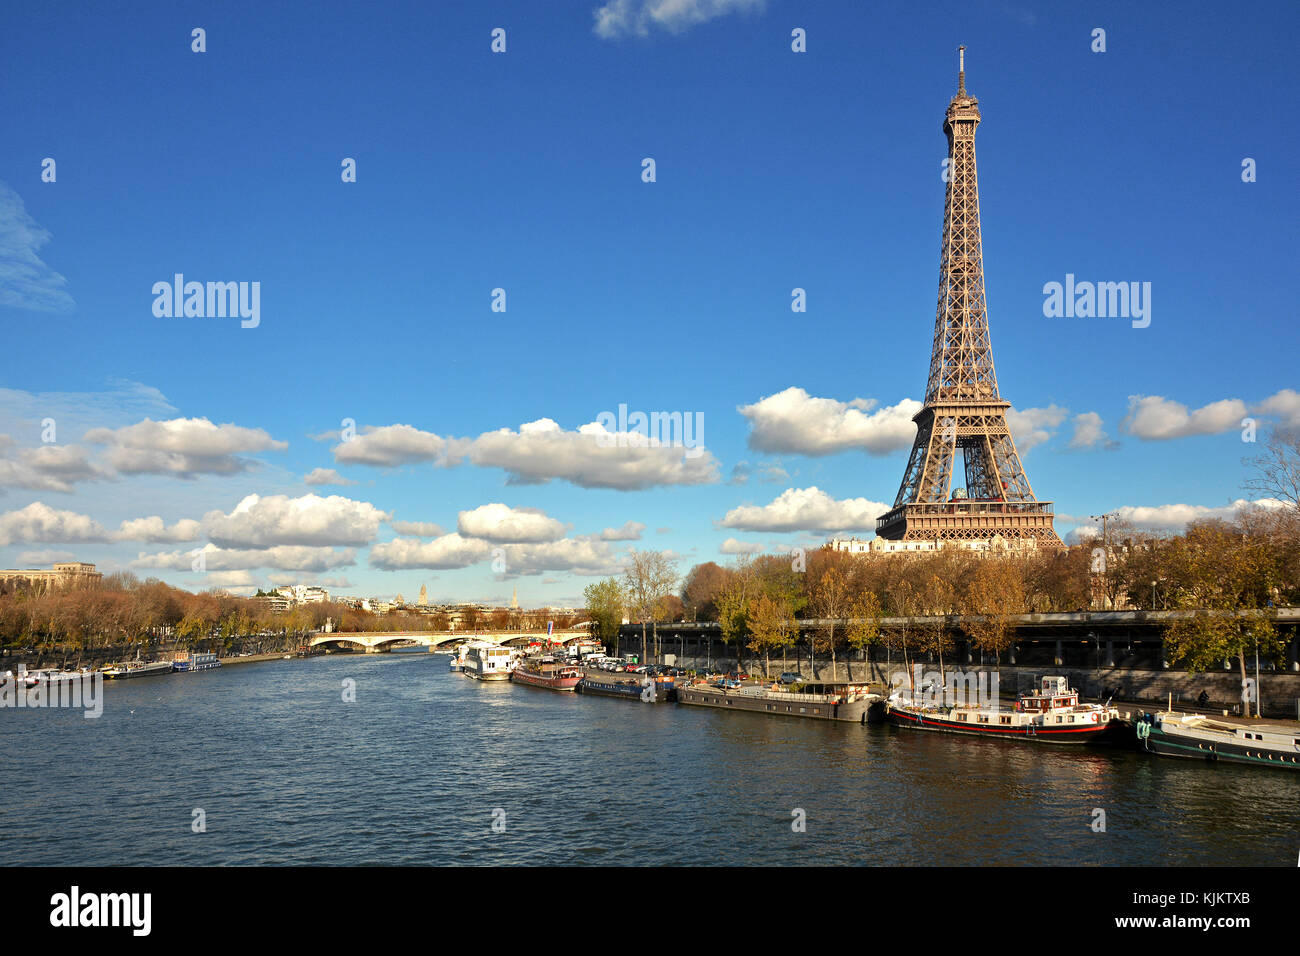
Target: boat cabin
1054,693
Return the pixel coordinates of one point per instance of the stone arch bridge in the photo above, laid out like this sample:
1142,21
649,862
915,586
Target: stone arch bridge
379,642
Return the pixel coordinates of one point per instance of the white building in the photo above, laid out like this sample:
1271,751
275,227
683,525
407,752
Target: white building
995,545
303,594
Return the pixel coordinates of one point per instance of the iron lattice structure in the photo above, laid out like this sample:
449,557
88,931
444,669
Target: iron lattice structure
963,409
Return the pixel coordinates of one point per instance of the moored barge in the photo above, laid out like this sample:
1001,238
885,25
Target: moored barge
1051,714
646,690
547,674
1201,737
137,669
196,662
852,703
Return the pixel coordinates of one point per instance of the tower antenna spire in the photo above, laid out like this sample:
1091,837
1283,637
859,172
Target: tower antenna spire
961,71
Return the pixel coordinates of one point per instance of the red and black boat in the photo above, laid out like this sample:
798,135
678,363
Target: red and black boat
1050,714
547,673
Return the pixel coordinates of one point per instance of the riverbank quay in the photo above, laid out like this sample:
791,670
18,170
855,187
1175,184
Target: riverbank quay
1141,687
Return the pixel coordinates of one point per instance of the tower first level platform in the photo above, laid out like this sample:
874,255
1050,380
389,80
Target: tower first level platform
966,519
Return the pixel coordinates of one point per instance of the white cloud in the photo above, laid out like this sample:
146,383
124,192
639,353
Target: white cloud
154,530
284,558
1033,426
26,282
1284,405
732,546
47,467
590,457
621,18
502,524
259,522
586,555
538,452
1176,516
794,422
73,413
806,509
234,580
1090,433
768,473
391,445
325,476
183,447
449,551
45,556
418,529
630,531
335,581
1170,517
1154,418
40,523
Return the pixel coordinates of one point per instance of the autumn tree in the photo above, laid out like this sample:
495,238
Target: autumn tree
995,596
829,600
902,602
863,628
700,590
771,621
938,598
733,605
1226,577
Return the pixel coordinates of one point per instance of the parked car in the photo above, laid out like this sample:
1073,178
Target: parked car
790,677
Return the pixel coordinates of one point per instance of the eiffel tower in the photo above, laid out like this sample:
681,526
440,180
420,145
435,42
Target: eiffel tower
963,410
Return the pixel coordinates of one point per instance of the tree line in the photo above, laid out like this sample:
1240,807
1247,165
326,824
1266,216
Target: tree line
1227,572
122,610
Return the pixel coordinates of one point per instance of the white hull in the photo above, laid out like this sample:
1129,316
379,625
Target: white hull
492,675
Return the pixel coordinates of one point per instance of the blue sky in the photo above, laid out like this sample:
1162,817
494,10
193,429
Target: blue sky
522,171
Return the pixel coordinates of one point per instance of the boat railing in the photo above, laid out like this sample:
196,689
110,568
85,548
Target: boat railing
810,698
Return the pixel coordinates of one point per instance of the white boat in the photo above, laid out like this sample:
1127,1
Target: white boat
24,677
487,661
1050,714
457,662
54,676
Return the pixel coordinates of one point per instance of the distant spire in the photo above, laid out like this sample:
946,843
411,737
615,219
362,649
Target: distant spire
961,71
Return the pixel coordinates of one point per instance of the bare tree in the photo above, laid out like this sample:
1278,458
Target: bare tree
1277,466
650,577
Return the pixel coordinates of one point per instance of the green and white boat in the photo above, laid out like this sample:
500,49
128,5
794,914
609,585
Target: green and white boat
1206,738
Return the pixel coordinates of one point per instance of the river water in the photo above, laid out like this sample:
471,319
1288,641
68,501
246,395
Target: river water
429,767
